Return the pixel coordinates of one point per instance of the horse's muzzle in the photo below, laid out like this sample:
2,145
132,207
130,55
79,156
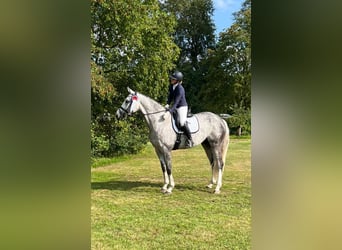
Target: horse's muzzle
119,114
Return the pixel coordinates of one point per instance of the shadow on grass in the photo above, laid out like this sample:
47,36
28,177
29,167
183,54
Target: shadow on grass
122,185
194,188
128,185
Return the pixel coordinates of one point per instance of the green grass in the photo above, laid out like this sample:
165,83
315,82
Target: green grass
99,162
128,211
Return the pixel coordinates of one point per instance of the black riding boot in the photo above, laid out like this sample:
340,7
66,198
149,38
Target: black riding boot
189,143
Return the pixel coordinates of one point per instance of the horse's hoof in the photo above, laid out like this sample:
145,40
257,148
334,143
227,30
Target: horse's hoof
168,191
217,191
163,190
209,185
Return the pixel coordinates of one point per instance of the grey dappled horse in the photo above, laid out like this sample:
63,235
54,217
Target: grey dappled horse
213,134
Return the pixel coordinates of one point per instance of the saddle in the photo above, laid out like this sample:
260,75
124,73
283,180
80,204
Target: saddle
191,120
192,123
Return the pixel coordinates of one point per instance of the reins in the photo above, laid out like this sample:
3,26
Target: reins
154,112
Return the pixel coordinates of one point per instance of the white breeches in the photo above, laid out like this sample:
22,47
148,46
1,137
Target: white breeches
182,114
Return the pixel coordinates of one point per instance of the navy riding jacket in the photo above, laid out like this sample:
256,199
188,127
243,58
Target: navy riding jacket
177,96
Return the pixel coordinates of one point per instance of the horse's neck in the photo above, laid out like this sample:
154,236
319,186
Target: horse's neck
149,105
151,109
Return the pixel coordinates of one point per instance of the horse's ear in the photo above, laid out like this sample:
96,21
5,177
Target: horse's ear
130,91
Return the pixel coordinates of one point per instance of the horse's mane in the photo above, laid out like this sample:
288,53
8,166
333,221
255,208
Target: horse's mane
154,102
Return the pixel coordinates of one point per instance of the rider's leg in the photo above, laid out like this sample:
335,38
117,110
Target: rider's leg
182,114
189,142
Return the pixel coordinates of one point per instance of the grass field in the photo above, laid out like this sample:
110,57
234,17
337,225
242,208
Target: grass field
128,211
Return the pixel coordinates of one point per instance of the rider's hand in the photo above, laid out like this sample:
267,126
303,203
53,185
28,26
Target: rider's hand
164,116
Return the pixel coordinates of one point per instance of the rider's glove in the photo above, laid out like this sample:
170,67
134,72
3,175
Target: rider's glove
165,115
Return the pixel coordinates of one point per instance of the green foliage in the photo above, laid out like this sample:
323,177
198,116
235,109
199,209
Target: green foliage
112,138
137,43
128,136
240,117
99,142
194,35
131,46
229,67
195,29
102,91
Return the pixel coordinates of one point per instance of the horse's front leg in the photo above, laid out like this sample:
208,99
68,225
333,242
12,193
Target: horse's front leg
169,182
167,160
166,170
161,157
166,177
166,166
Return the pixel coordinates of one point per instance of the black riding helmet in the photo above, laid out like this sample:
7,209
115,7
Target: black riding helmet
177,75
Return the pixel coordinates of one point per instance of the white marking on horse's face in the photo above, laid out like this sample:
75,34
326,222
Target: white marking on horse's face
126,103
129,106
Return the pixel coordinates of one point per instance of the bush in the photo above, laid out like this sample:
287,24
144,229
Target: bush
240,117
110,137
99,142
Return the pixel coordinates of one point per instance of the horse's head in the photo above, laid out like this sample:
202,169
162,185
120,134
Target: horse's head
129,106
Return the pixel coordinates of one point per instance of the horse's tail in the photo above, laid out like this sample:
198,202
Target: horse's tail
225,142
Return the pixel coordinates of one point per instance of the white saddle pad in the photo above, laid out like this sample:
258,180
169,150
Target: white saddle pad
192,124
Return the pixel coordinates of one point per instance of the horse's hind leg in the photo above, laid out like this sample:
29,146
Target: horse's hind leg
208,151
219,155
218,170
219,178
217,165
221,158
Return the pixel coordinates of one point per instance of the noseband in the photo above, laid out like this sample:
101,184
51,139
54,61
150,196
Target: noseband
125,110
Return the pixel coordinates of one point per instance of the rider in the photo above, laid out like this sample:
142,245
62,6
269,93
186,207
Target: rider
177,96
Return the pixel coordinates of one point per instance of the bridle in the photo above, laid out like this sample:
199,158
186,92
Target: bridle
127,111
135,98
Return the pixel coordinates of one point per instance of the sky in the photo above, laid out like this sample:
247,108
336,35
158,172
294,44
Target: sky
223,13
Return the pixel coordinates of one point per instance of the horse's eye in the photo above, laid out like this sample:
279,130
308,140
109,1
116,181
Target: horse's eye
127,101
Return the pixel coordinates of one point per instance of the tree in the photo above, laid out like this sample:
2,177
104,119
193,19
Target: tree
131,46
194,35
229,71
229,74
